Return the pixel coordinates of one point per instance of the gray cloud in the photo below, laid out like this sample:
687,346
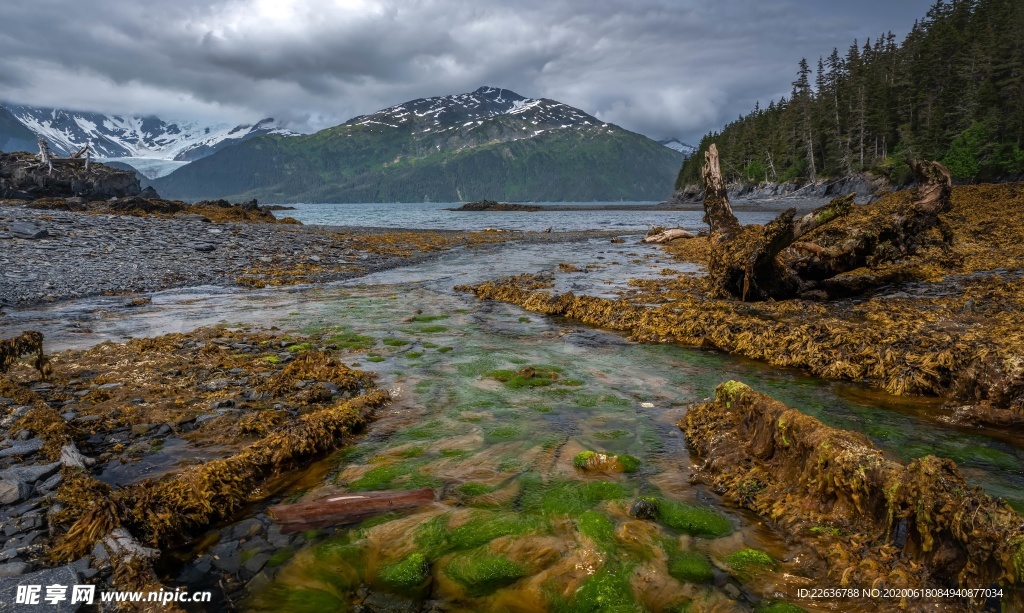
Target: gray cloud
660,67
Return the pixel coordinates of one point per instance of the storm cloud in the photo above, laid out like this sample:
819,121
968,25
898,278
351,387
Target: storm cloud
659,67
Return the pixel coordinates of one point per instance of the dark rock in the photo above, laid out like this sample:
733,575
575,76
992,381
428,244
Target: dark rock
30,474
63,575
149,192
26,230
643,509
22,174
13,569
12,491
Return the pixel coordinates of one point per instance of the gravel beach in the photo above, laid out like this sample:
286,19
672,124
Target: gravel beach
75,255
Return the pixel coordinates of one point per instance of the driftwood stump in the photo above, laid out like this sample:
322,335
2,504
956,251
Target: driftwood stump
754,263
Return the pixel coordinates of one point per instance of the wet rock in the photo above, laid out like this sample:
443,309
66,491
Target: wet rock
51,484
22,448
381,602
246,528
12,569
643,509
256,563
63,575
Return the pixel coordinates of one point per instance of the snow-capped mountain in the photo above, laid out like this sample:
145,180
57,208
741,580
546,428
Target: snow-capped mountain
461,113
489,143
677,145
152,145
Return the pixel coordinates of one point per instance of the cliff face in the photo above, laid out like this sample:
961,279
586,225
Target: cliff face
23,176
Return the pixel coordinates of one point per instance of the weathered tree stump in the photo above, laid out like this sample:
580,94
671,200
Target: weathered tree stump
754,263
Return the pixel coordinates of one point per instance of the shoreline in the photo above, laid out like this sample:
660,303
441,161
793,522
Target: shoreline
86,255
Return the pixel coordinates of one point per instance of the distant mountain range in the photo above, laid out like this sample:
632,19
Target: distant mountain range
491,143
151,145
677,145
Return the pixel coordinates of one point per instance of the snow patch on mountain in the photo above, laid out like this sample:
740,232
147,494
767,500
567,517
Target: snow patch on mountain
677,145
125,137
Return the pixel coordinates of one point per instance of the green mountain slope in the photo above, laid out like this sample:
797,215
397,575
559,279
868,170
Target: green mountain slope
490,143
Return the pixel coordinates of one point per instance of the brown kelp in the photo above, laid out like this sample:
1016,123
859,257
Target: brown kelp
877,522
28,342
950,325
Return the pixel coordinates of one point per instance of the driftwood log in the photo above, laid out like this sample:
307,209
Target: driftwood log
347,508
669,235
754,263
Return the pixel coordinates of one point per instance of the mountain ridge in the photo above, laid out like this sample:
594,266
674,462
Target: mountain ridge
154,144
490,143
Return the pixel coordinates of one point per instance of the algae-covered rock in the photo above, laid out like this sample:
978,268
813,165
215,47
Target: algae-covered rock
596,461
913,525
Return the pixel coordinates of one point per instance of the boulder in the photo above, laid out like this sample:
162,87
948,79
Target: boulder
27,230
22,175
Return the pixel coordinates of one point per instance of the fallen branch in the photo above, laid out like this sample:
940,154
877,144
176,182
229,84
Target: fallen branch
346,508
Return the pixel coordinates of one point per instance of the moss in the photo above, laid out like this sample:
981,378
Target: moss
431,329
692,519
407,574
375,358
691,566
431,537
591,460
271,359
411,452
310,600
475,489
300,348
749,561
598,527
482,574
400,475
524,320
395,342
583,458
630,464
502,375
607,435
820,530
445,349
414,354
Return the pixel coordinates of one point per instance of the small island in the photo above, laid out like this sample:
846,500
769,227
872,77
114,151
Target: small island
491,205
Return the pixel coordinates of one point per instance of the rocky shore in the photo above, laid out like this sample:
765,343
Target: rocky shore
51,255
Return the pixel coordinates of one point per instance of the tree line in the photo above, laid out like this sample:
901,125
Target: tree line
953,91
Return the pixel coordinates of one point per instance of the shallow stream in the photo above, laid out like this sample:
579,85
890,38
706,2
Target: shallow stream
517,526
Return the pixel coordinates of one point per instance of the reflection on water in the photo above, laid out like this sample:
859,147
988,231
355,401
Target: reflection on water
517,526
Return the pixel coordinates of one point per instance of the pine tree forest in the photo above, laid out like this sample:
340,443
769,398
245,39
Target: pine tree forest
952,91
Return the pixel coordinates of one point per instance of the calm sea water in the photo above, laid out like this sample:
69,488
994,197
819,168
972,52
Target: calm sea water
434,216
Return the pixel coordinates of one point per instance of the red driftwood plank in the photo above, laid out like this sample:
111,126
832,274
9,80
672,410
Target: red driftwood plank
346,508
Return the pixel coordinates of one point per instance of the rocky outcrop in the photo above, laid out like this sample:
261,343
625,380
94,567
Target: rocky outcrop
865,187
24,176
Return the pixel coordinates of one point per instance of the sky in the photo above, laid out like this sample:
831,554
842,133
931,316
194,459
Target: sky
664,68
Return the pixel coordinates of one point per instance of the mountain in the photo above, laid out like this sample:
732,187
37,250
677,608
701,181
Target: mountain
150,144
677,145
491,143
13,135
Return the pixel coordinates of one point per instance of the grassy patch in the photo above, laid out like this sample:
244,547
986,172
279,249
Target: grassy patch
475,489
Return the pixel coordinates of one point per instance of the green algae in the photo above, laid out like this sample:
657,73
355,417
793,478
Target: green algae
454,453
606,591
395,342
413,354
475,489
559,497
608,435
434,538
408,574
445,349
482,574
398,475
598,527
310,600
748,561
778,606
351,341
502,433
691,567
691,519
280,556
429,318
